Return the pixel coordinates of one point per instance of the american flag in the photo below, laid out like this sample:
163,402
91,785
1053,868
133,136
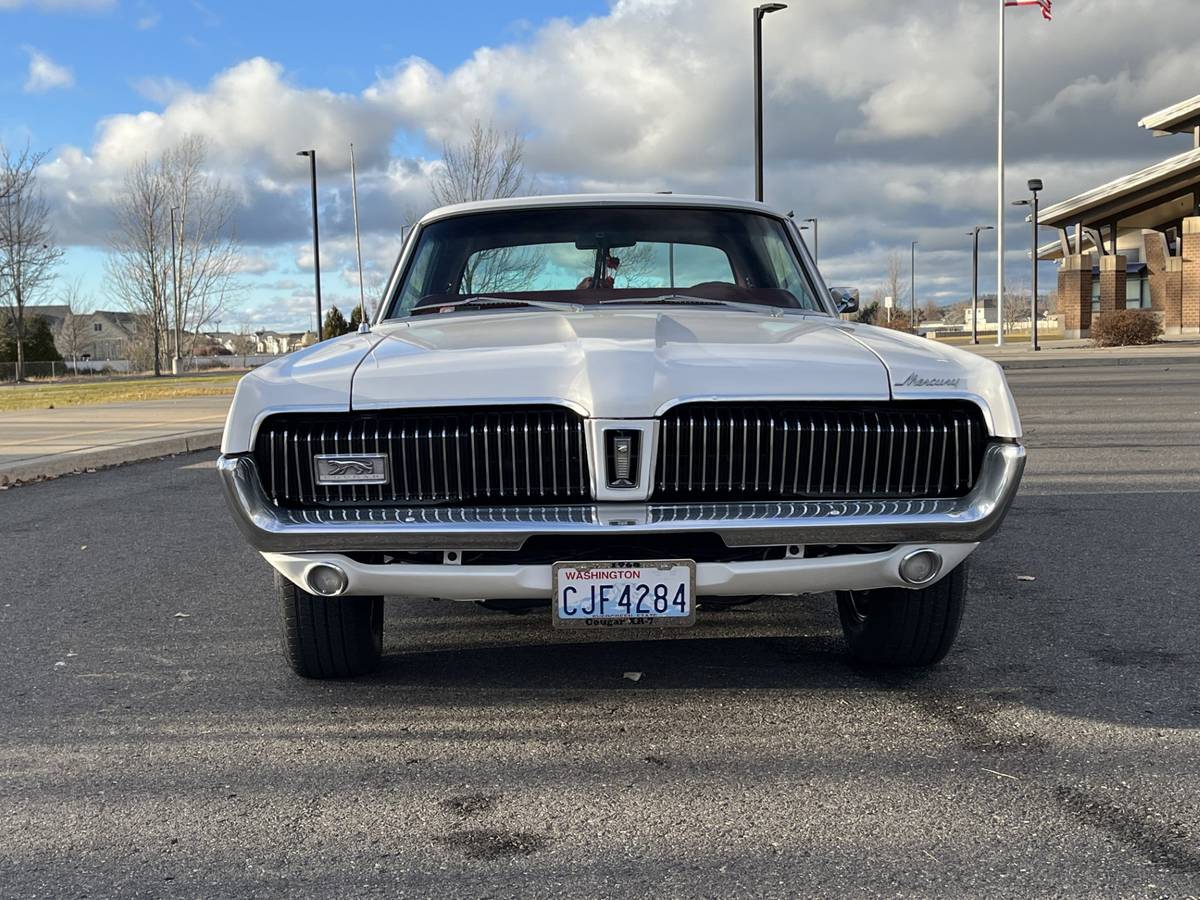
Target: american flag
1044,4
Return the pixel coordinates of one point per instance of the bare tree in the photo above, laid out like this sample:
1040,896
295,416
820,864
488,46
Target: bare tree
207,250
489,165
27,252
892,286
178,286
75,331
139,265
1016,307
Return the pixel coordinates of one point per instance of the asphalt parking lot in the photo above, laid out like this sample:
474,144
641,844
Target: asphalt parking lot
153,744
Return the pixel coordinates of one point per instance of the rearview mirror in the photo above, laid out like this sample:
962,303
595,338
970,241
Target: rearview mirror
604,240
845,299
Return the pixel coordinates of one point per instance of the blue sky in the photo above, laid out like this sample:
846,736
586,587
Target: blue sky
880,115
115,50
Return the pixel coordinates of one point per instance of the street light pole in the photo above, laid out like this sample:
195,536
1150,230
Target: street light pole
912,287
1035,185
759,12
816,240
312,168
975,281
175,293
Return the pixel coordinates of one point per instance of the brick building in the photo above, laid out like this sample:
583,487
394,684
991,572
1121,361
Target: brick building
1134,243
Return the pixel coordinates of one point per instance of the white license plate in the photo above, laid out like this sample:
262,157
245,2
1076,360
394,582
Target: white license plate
625,594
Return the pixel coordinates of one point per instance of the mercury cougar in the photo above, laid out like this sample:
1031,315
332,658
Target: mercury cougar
627,411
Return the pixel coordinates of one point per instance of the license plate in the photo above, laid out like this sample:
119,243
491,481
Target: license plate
642,594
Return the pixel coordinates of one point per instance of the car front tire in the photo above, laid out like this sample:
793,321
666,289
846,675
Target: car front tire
329,637
901,628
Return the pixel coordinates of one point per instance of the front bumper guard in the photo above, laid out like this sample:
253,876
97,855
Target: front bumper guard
972,518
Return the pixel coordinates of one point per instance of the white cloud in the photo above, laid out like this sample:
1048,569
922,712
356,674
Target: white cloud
45,74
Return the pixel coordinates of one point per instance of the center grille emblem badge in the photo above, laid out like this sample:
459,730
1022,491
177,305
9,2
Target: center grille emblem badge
621,452
351,468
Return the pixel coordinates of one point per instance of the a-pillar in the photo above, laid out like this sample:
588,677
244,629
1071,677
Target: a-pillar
1189,305
1075,295
1112,283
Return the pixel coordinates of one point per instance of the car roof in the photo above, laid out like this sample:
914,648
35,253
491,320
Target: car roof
559,200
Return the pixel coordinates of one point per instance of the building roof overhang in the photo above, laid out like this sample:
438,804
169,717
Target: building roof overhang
1159,185
1179,118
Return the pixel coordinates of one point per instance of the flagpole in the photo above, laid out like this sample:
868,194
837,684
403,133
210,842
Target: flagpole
1000,192
362,298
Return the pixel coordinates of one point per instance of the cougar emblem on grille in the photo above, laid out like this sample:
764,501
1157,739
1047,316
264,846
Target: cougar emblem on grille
357,468
344,466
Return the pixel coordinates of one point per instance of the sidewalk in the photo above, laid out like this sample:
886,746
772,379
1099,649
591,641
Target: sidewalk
1016,354
42,443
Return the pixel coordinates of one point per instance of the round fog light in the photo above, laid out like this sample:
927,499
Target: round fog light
920,566
326,580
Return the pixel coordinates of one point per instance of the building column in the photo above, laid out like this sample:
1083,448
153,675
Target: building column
1166,280
1112,283
1189,300
1075,295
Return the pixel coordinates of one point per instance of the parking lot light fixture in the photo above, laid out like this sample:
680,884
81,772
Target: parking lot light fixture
312,168
974,233
816,238
759,12
912,286
1035,185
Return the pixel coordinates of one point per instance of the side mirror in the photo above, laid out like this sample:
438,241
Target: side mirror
845,299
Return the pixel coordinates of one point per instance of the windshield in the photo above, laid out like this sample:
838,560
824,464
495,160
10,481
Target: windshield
602,255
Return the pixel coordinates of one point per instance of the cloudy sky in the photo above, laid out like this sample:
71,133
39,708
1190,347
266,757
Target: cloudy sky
880,114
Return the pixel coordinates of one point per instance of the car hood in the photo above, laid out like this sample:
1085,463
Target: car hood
614,364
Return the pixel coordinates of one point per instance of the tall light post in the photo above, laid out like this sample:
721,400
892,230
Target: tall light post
974,232
912,287
175,293
816,239
1035,185
312,168
759,12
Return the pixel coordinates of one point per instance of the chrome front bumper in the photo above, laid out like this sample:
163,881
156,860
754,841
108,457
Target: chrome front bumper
966,519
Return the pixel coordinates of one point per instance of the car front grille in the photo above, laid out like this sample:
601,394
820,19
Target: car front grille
493,456
727,451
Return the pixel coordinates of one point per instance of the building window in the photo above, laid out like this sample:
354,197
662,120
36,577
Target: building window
96,326
1137,296
1095,292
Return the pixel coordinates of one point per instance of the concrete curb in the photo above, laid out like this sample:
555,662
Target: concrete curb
1049,362
101,457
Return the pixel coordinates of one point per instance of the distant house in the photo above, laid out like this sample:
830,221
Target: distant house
111,334
275,343
105,334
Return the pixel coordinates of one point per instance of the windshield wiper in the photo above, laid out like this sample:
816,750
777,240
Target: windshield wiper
687,300
497,301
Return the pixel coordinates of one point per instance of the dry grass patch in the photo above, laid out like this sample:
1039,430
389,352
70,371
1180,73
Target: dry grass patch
118,390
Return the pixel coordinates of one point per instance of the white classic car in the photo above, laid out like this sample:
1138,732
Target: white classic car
624,409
